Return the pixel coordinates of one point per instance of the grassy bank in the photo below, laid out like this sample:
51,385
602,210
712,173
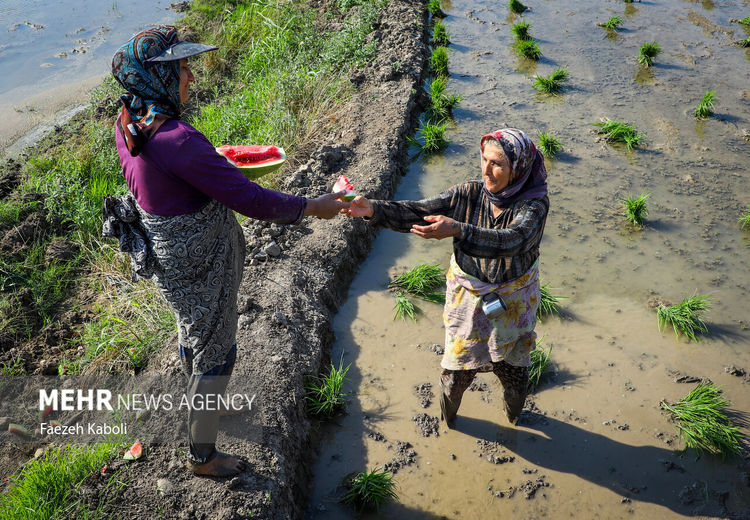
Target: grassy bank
279,77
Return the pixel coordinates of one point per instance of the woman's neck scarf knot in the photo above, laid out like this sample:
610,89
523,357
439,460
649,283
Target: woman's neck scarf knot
153,88
529,179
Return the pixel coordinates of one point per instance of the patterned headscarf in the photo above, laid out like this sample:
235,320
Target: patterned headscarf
153,88
529,176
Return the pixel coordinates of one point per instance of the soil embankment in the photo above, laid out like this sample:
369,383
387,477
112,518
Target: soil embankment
295,277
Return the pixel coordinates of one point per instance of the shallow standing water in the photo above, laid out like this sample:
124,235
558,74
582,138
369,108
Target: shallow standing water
595,435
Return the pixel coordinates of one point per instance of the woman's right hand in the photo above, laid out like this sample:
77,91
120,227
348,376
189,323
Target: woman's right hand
360,207
326,206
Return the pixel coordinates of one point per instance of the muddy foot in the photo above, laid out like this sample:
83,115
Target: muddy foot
222,465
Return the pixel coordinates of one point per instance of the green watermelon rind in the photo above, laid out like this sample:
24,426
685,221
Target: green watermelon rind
255,172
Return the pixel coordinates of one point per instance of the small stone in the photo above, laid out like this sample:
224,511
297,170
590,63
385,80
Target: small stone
164,486
236,483
38,453
261,256
272,249
453,456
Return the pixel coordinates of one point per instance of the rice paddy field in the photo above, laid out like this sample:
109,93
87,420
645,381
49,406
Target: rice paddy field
594,440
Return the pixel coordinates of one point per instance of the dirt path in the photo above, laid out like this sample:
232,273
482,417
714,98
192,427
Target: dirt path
294,280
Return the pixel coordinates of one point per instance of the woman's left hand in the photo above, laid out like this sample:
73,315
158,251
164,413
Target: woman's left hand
441,227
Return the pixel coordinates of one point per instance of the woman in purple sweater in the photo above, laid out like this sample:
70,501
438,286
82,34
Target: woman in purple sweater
178,224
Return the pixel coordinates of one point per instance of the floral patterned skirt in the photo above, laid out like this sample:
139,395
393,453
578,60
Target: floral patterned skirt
474,342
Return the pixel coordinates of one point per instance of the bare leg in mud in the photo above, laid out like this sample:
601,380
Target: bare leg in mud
222,465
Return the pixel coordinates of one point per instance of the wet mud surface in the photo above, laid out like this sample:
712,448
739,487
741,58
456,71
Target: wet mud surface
592,441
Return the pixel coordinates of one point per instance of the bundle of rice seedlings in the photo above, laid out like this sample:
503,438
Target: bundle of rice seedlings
686,317
521,30
442,104
516,6
705,107
424,279
552,84
547,302
433,137
647,53
528,49
370,490
549,144
433,7
745,219
744,43
404,307
619,132
440,34
324,395
745,21
636,209
439,61
703,422
539,364
612,24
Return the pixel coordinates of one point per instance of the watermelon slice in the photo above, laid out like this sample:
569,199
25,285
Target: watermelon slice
343,184
254,160
19,430
135,452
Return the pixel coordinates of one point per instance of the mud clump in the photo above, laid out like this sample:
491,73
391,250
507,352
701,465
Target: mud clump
493,452
530,487
424,394
427,424
405,456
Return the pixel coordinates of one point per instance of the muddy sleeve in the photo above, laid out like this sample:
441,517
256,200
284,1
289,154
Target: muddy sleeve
522,234
202,167
402,215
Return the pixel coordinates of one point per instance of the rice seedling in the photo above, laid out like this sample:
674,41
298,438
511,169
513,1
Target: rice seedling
440,34
647,53
745,21
528,49
703,421
433,7
619,132
404,307
439,60
743,43
612,24
539,364
686,317
442,102
433,137
636,209
552,84
521,30
704,109
549,144
744,220
370,490
547,302
516,7
324,395
421,280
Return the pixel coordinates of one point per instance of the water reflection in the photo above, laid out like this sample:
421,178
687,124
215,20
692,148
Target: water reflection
631,10
644,75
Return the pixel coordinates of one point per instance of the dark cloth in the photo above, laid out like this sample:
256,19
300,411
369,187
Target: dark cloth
493,250
122,220
179,172
153,88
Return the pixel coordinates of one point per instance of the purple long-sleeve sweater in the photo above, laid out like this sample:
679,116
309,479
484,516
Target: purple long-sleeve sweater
179,171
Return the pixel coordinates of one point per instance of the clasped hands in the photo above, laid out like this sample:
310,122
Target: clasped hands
440,227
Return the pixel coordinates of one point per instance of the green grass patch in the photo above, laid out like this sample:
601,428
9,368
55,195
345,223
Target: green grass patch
619,132
636,208
612,24
686,317
705,108
433,7
528,49
439,61
744,220
325,395
46,488
539,364
549,145
370,490
516,7
440,34
703,421
442,103
548,302
521,30
553,84
647,53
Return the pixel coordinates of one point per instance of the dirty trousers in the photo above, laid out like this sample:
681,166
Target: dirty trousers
203,424
454,383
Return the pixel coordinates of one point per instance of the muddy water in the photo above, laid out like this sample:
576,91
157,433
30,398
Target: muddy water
594,443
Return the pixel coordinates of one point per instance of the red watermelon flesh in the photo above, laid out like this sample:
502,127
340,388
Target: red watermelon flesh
135,451
343,184
254,160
